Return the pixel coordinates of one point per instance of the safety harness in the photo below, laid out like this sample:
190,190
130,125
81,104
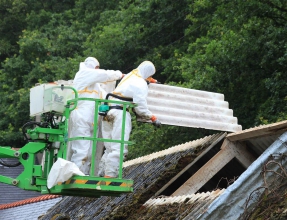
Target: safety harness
105,108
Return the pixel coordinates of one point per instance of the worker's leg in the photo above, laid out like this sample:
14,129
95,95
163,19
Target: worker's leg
82,126
107,134
113,158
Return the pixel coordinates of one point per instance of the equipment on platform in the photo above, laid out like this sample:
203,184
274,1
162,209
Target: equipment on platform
49,137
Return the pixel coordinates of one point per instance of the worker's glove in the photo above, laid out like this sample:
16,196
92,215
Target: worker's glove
156,123
152,80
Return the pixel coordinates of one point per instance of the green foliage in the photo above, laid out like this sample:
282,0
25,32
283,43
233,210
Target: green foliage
237,48
12,22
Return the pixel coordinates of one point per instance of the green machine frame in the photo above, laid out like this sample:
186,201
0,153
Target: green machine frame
52,143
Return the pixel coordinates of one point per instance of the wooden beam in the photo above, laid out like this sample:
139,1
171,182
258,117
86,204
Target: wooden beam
205,173
264,130
242,154
189,165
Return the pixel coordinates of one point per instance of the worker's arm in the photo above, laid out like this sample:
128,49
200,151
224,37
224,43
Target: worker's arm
86,76
140,98
102,76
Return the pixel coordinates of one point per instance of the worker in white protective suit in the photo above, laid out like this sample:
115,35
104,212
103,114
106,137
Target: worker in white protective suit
133,86
87,83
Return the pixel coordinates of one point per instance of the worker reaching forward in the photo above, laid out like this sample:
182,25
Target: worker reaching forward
87,83
133,86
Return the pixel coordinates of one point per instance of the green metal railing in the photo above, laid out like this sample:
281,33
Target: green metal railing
96,139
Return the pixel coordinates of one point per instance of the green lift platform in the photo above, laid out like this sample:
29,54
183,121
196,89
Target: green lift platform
50,138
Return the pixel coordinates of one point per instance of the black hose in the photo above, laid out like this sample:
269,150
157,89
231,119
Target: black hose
118,97
40,124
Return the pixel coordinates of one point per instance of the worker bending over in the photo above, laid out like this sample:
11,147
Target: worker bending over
133,86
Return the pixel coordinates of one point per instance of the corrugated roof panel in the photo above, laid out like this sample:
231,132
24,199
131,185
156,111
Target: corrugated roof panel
259,145
259,138
179,199
191,108
178,207
178,148
277,128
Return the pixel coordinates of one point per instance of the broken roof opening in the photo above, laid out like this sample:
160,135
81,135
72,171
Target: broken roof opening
225,177
222,179
228,173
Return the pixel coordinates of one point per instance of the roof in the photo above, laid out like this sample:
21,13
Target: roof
28,201
259,138
29,208
149,173
9,193
177,207
263,177
158,175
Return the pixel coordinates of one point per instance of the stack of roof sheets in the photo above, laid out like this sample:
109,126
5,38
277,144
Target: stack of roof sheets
191,108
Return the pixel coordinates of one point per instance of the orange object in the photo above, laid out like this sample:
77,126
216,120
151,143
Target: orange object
153,118
107,176
151,80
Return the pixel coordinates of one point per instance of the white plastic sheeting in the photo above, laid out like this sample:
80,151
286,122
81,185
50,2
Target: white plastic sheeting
231,204
191,108
61,171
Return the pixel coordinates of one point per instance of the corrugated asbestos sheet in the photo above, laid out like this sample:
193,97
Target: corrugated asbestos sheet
178,207
191,108
149,173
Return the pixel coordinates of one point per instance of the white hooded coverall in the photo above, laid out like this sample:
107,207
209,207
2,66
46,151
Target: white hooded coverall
87,83
134,86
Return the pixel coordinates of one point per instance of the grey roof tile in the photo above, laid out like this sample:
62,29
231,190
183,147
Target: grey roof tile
9,193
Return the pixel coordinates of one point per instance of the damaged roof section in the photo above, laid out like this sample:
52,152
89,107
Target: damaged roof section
178,207
164,182
150,174
266,177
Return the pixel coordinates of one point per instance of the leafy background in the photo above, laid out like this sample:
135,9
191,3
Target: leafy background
238,48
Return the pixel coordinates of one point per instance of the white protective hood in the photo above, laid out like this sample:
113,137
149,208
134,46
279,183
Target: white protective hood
146,69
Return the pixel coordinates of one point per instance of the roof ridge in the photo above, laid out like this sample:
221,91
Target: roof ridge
28,201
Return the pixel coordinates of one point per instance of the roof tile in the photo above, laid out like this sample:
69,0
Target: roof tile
28,201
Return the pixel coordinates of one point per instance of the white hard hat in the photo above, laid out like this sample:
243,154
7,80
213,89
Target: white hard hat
146,69
91,62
